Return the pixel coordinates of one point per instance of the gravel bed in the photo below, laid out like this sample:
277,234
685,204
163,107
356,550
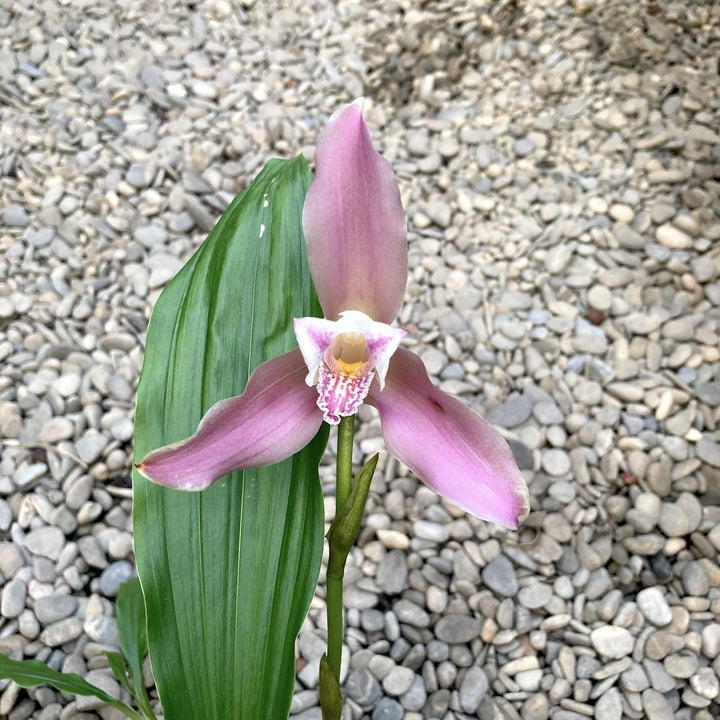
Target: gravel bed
558,161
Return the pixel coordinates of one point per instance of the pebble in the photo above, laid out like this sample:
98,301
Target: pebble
45,541
473,688
654,606
457,628
398,680
392,573
511,413
114,575
499,576
612,642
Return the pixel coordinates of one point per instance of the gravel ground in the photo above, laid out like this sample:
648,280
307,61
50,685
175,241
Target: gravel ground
559,163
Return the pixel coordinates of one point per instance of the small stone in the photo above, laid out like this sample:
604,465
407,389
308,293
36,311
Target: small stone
392,573
45,541
454,629
653,606
473,688
705,683
57,429
28,473
414,699
681,665
547,413
671,237
656,706
600,298
114,575
661,643
398,680
15,216
536,707
499,576
13,598
102,629
708,451
709,393
695,579
535,596
90,446
434,532
711,640
609,705
61,632
388,709
411,613
51,608
511,413
611,641
362,687
555,462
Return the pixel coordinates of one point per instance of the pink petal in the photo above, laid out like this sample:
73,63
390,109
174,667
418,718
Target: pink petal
447,445
354,223
275,417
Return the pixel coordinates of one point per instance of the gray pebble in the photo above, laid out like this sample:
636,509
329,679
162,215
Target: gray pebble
114,575
414,699
654,606
656,706
534,596
473,688
388,709
51,608
362,687
708,451
499,576
14,215
695,579
611,641
511,413
398,680
13,598
392,573
45,541
457,628
90,446
609,705
61,632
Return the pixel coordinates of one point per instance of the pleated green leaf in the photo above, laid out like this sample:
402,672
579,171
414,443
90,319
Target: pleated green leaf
31,673
130,611
228,573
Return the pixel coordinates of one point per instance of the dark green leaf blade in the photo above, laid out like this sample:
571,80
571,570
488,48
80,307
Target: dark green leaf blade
31,673
117,665
130,612
228,574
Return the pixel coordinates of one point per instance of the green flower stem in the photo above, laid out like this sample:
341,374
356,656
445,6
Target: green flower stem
346,430
336,562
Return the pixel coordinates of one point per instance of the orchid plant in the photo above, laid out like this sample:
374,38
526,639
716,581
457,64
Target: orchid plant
354,227
227,574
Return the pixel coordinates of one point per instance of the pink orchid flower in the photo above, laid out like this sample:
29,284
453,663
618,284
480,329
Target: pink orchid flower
357,251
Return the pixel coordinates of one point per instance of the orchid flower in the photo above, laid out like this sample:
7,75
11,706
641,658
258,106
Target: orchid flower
356,238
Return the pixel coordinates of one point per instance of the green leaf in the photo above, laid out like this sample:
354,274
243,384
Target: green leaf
228,573
117,664
133,639
30,673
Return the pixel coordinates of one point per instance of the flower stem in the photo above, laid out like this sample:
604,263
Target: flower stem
346,429
336,564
